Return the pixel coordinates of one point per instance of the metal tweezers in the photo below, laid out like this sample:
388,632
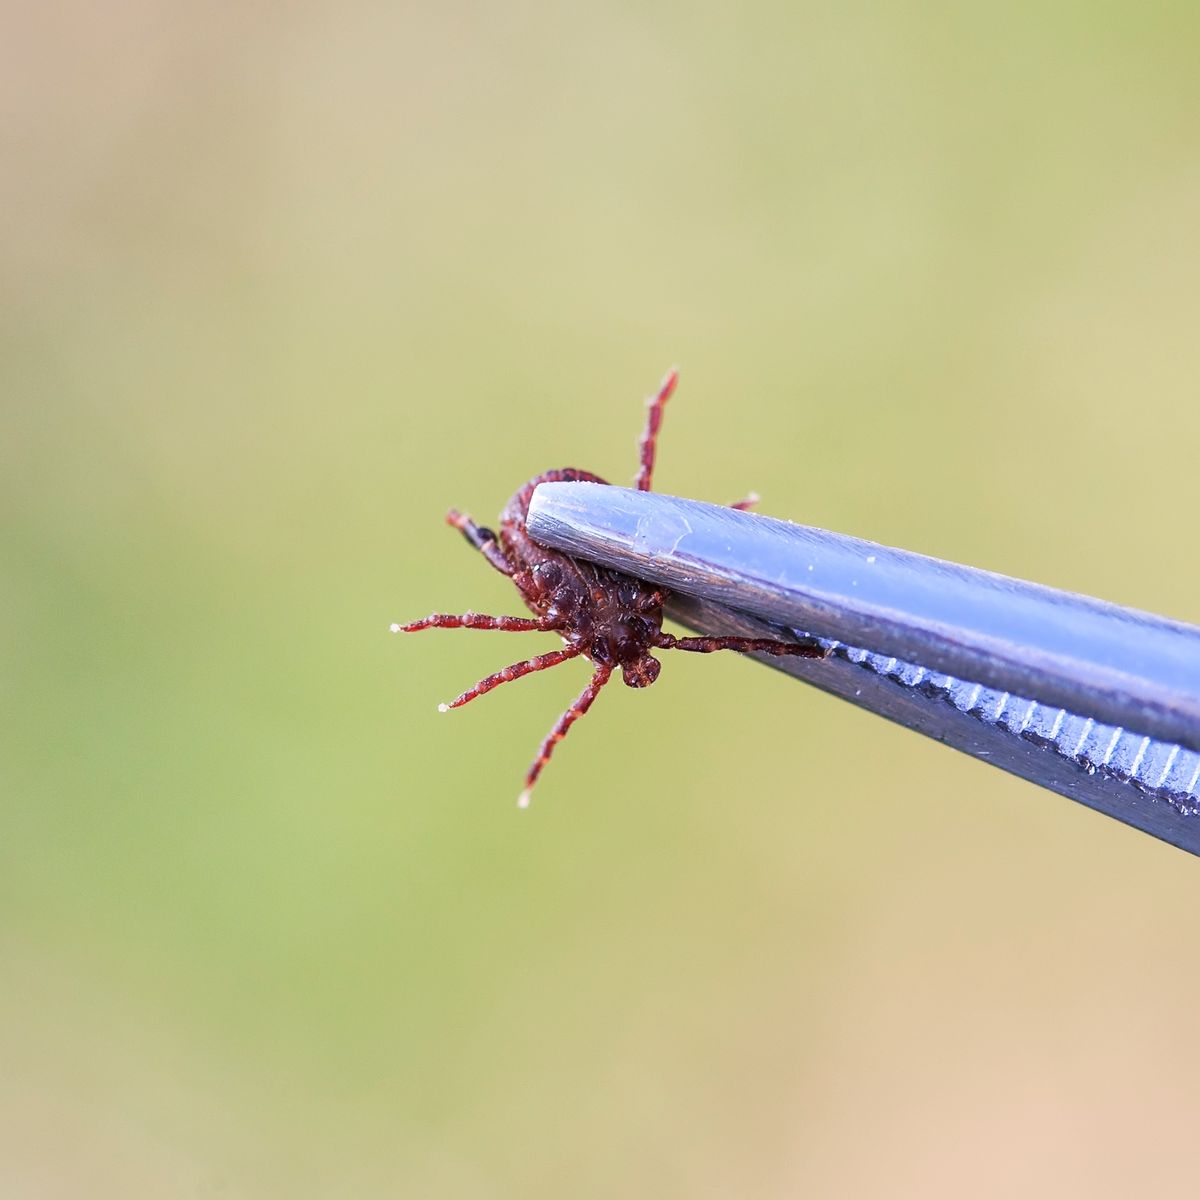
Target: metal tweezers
1093,701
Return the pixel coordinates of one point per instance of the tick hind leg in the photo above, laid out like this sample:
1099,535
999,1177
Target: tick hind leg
484,540
516,671
748,503
649,442
746,645
582,703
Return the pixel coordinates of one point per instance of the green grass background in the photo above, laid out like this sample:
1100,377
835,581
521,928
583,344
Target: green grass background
279,285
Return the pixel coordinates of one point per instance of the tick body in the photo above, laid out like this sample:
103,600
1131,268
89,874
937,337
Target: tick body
609,618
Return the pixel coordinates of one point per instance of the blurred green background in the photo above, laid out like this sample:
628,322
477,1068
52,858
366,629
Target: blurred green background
280,284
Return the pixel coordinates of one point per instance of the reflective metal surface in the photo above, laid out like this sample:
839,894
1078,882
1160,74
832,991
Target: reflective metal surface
1097,702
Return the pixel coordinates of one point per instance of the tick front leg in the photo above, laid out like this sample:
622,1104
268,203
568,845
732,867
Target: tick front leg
650,601
748,503
648,446
484,540
474,620
582,703
745,645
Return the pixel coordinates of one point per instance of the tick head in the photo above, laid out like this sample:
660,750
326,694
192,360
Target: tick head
626,643
640,672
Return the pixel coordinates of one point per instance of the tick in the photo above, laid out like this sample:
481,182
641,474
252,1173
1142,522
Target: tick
605,616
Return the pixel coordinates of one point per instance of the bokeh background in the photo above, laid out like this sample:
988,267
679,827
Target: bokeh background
281,283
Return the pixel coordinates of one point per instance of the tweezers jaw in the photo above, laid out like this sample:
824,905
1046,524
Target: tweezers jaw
1152,785
1116,720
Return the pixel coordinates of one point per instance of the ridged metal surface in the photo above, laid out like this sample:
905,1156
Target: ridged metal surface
1162,771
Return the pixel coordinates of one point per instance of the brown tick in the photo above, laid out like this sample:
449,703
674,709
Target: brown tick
610,618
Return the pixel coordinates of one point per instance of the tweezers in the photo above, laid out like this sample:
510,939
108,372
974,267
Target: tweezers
1088,699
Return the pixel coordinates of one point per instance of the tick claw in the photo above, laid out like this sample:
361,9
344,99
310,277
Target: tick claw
523,799
394,628
443,708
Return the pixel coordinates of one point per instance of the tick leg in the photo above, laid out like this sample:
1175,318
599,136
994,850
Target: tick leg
650,601
582,703
706,645
649,443
474,620
748,503
540,663
484,540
